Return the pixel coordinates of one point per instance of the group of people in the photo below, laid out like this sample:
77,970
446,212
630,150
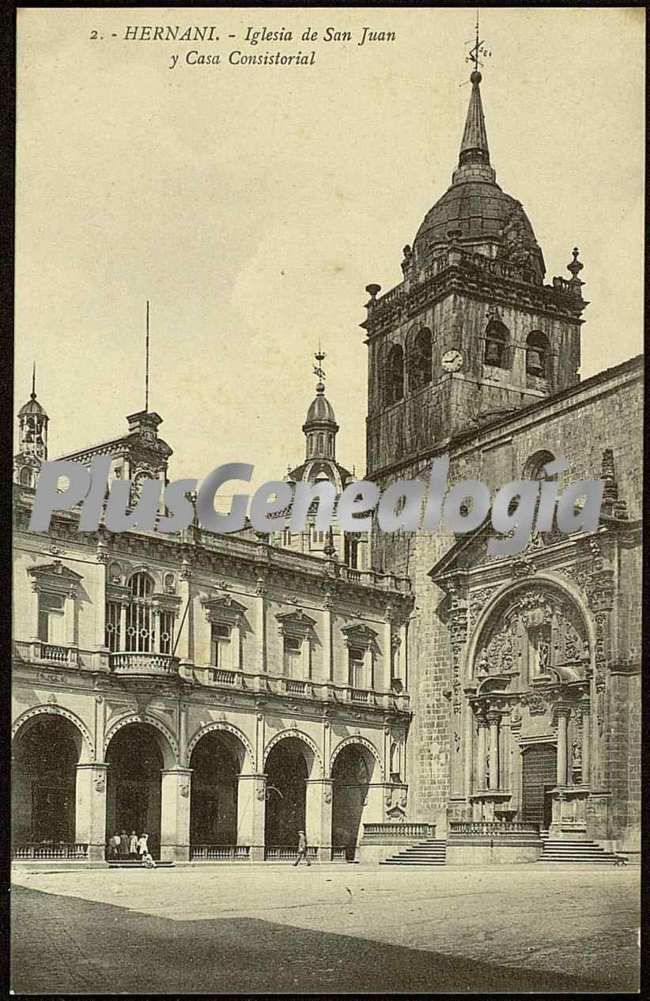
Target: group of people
130,846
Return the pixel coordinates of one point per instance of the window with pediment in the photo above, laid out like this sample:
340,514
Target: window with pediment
297,632
361,642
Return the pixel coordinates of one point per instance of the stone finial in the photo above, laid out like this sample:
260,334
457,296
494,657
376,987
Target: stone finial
612,504
575,267
373,291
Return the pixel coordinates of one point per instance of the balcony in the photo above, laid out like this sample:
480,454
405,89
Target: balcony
160,665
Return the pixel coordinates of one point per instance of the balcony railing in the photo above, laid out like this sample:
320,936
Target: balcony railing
159,664
50,850
287,853
220,853
360,695
399,831
492,828
54,653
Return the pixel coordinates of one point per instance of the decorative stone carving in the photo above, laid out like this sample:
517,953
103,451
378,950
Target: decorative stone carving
100,784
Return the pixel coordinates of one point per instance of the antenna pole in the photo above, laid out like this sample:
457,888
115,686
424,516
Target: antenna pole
146,365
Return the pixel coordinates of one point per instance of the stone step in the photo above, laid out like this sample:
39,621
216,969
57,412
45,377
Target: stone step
558,851
431,852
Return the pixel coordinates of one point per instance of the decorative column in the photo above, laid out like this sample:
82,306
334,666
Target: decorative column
175,815
251,814
156,630
481,754
261,591
562,716
122,643
90,809
183,650
586,744
403,653
493,765
328,661
389,651
318,817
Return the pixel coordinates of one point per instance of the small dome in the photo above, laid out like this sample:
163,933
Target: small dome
320,410
32,407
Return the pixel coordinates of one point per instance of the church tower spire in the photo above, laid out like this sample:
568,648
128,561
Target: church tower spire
474,158
32,437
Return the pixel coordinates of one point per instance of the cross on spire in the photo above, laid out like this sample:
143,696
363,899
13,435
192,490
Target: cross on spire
478,49
319,371
34,381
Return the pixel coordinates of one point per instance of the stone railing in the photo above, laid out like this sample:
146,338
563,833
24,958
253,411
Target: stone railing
492,828
158,664
399,831
220,853
339,854
282,853
57,654
51,850
54,654
279,685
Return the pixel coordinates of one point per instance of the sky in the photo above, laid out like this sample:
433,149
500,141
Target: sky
252,204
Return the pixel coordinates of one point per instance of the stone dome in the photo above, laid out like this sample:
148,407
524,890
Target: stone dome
477,211
320,410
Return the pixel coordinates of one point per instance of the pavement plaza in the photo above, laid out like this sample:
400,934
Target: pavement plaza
330,928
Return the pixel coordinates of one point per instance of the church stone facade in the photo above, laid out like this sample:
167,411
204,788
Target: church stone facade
525,672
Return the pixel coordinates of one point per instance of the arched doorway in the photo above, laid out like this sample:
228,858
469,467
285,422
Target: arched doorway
350,780
45,757
133,793
216,763
287,769
538,778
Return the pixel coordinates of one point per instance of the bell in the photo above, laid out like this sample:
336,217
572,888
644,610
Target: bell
534,363
492,353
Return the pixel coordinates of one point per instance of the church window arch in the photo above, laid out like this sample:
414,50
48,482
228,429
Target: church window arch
419,351
534,467
497,345
25,477
394,375
537,355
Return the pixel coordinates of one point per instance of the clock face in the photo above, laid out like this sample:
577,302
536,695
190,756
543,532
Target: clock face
452,360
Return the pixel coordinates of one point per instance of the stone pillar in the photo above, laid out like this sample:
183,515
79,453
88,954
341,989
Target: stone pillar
328,661
175,815
260,630
493,765
586,745
385,683
562,720
70,623
403,654
156,631
318,817
122,642
236,646
183,651
480,756
251,813
90,809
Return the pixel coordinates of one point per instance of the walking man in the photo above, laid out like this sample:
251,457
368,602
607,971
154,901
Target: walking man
302,849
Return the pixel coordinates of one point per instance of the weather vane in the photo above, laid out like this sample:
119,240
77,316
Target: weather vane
479,49
318,369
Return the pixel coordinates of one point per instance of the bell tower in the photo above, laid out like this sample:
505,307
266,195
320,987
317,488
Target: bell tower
473,330
32,438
